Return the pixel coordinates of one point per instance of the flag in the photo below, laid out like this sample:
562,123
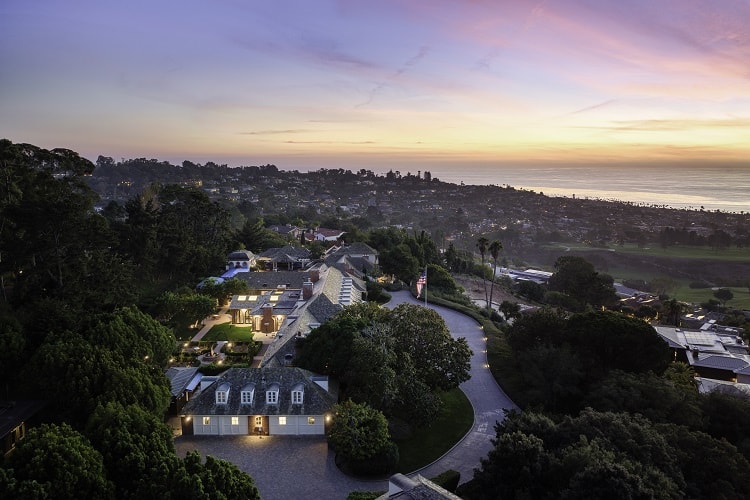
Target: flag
422,281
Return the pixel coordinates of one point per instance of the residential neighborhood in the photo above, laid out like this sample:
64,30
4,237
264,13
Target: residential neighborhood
191,333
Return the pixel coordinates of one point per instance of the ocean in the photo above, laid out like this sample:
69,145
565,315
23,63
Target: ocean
725,188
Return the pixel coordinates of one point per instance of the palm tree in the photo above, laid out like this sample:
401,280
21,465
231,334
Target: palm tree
673,310
494,249
482,243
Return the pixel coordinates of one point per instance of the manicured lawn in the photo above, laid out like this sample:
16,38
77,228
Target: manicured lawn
682,291
680,252
741,298
427,444
675,252
230,332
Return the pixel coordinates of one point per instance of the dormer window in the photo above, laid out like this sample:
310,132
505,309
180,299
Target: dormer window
246,395
297,397
222,394
272,394
298,394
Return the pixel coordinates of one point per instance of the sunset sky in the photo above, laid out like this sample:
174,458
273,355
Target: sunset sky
315,83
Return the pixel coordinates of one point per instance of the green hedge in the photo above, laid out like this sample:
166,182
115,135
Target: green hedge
448,480
381,465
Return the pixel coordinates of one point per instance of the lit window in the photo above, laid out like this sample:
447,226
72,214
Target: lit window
297,397
235,420
206,420
272,397
246,397
282,420
311,420
258,421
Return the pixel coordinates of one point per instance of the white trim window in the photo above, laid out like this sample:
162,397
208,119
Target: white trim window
222,394
297,397
272,397
246,397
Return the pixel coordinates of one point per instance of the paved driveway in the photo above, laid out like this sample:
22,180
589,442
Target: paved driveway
487,398
303,468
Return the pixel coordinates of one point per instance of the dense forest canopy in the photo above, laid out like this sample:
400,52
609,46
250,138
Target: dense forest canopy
73,335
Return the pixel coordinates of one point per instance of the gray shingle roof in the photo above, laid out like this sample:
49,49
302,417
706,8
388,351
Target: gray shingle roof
316,401
721,362
269,280
241,255
286,253
322,308
179,378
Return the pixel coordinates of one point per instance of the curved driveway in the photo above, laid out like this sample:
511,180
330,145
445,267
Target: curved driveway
487,398
304,468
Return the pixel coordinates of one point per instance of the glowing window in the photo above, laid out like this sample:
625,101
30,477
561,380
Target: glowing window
282,420
206,420
235,420
311,420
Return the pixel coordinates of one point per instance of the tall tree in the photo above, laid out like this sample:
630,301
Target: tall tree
137,449
494,248
215,479
576,277
440,360
724,295
592,455
399,262
672,310
57,462
608,340
68,255
482,243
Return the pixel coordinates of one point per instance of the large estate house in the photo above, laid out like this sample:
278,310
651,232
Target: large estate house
290,301
275,397
260,401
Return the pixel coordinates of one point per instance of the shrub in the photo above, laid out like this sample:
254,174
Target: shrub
212,369
448,480
364,495
376,293
382,464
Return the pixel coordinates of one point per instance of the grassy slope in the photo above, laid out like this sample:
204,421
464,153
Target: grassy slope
637,263
427,444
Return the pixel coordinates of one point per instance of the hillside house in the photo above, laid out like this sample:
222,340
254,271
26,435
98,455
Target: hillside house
712,355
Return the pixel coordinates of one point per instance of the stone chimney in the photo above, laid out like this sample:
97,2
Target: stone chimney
267,323
307,290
